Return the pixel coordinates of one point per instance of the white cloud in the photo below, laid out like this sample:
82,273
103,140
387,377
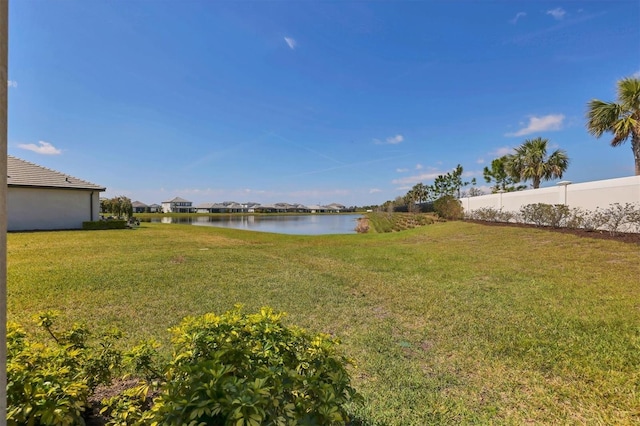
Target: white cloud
402,170
540,124
291,42
12,83
480,161
44,148
392,140
636,74
395,139
374,190
518,16
557,13
419,166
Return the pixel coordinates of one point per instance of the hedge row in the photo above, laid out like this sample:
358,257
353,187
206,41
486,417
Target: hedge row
615,218
104,224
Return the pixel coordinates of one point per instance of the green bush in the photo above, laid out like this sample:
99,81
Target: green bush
448,207
232,369
239,369
104,224
49,383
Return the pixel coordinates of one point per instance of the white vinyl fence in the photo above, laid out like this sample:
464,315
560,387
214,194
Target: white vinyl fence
587,195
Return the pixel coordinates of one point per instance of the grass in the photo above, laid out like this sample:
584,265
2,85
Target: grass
453,323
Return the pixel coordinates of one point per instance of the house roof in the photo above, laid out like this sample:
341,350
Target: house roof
24,173
177,200
204,206
138,204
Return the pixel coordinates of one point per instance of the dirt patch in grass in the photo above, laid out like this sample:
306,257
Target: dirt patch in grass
630,238
92,416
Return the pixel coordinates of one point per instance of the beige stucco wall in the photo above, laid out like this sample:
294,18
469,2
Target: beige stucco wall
43,209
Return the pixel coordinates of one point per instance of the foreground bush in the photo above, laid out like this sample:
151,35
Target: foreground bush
49,383
232,369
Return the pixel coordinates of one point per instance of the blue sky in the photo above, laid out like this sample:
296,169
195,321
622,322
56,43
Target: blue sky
310,102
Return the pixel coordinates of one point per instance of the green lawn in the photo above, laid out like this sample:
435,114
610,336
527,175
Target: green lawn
449,323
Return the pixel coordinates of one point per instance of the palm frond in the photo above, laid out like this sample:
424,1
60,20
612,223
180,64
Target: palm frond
601,116
622,129
557,164
629,93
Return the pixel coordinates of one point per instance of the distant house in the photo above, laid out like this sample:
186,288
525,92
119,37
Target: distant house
139,207
205,208
177,205
43,199
335,207
317,209
155,208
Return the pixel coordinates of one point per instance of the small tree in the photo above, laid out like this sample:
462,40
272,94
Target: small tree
447,184
498,175
120,206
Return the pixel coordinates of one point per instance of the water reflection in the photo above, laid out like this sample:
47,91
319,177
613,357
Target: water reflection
281,224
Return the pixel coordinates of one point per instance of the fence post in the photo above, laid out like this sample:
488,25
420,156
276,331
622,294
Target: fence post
563,191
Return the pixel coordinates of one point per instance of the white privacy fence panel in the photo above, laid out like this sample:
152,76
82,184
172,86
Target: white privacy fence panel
587,195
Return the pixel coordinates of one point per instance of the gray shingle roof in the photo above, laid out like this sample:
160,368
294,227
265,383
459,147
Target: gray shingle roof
24,173
177,200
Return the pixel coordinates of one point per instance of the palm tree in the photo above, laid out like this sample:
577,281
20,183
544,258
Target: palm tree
421,192
621,118
530,161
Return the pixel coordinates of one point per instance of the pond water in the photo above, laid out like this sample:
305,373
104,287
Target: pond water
281,224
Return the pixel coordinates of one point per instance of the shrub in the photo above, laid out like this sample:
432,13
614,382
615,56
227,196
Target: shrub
448,207
489,214
49,383
633,220
362,225
249,370
616,216
232,369
104,224
541,214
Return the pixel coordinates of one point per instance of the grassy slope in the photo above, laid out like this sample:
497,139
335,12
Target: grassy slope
453,322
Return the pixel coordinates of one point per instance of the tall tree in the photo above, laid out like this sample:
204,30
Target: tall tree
498,175
621,118
530,162
121,206
447,184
